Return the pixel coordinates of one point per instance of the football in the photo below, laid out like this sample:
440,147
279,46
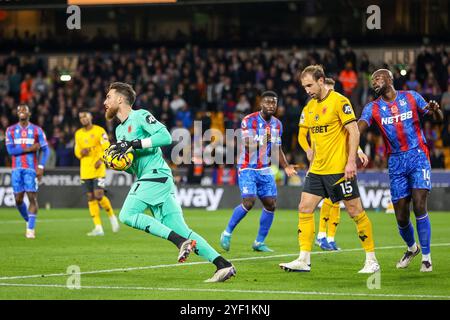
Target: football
113,161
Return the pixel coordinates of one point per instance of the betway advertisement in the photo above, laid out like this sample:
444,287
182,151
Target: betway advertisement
61,189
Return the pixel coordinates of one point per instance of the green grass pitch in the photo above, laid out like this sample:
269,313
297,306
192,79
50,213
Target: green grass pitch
135,265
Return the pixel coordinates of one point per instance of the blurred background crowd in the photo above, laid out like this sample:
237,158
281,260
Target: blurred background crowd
215,86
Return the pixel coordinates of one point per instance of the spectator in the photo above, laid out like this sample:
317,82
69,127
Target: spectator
446,135
185,116
349,79
430,134
445,102
437,159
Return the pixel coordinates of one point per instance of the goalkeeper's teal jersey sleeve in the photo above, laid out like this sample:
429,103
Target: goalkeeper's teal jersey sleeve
141,124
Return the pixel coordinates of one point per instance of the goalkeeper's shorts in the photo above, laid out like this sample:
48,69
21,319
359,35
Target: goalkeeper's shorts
331,186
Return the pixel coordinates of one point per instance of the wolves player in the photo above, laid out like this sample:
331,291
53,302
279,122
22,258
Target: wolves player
90,142
255,175
141,133
334,139
330,213
23,141
396,113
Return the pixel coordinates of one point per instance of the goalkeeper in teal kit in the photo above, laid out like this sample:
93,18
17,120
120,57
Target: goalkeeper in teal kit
139,132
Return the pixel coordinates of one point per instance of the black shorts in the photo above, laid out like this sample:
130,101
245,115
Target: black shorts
331,186
89,185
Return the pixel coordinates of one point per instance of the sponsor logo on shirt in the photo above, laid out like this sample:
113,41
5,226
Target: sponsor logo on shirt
400,117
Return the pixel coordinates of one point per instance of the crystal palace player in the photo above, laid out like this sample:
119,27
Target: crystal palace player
396,113
23,141
255,175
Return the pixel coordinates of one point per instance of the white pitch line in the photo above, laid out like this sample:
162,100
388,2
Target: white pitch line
197,263
381,295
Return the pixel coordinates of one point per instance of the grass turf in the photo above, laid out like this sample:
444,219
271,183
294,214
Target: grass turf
62,242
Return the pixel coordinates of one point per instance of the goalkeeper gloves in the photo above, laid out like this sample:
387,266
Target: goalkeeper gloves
121,148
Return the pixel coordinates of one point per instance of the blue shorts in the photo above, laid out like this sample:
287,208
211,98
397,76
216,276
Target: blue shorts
408,170
257,183
24,180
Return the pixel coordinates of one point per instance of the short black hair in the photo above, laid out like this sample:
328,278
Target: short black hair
269,93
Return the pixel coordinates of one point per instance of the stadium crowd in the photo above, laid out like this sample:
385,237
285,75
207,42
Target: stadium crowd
217,86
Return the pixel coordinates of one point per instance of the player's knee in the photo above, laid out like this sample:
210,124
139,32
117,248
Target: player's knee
98,196
271,206
248,203
125,218
305,207
420,207
19,201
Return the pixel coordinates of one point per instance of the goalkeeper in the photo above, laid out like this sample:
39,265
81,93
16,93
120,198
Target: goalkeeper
154,188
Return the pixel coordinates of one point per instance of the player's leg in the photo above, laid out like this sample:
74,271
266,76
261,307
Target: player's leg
99,195
419,182
266,190
132,214
247,187
341,190
333,222
313,192
31,187
171,215
365,233
265,222
94,209
423,226
325,211
19,192
406,230
306,230
401,199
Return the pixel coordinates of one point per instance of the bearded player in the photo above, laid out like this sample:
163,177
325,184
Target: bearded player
139,132
396,113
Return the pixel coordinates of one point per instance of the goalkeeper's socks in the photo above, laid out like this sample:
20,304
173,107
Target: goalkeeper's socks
265,222
176,239
23,211
407,233
221,263
424,231
31,220
238,214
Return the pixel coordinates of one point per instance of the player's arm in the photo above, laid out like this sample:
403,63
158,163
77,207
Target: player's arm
432,107
45,153
159,137
77,149
353,143
303,142
17,150
347,116
289,169
104,144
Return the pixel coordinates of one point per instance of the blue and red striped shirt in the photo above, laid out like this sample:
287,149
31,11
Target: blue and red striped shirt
255,129
18,138
398,121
